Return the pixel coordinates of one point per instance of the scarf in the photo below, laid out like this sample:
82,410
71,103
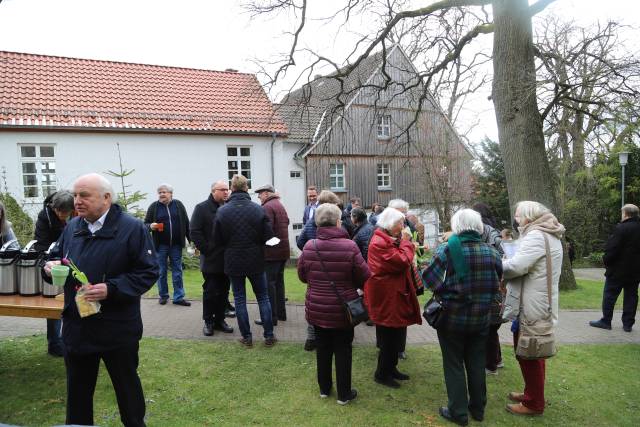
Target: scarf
455,250
547,223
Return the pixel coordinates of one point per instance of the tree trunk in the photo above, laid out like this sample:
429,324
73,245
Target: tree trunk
519,122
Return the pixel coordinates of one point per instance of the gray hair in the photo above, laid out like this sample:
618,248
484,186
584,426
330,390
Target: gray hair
631,211
467,220
399,204
62,201
104,186
389,217
327,214
165,186
531,210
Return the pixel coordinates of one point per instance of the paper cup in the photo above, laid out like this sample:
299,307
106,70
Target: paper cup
59,274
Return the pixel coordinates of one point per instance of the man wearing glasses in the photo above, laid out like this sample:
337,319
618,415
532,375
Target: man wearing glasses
216,284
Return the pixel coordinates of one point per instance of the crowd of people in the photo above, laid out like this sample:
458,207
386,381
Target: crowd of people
344,255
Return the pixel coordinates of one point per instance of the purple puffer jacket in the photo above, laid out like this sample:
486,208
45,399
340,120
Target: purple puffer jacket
345,267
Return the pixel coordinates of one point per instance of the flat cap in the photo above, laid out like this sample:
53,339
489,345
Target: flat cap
266,187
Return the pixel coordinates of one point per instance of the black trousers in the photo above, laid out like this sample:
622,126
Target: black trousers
82,374
390,342
612,289
493,352
464,353
330,342
275,286
215,295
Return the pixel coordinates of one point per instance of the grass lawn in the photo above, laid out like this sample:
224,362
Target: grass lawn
587,296
223,384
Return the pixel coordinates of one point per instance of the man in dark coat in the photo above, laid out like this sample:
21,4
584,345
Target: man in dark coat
215,289
363,230
115,252
312,198
622,262
275,257
242,228
58,208
169,224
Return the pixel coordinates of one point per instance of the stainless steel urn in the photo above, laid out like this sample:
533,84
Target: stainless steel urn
8,274
49,290
29,278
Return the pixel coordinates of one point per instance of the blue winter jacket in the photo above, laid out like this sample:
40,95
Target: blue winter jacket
120,254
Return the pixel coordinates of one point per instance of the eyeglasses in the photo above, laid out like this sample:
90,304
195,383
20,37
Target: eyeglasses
221,189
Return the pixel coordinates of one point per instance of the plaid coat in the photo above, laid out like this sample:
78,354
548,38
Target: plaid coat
468,302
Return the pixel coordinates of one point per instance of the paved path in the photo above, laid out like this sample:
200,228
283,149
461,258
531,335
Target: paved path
596,274
173,321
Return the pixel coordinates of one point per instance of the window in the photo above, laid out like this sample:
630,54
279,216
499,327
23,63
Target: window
384,176
336,176
239,163
38,170
295,174
298,226
384,127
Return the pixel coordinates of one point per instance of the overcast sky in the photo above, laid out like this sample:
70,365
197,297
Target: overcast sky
211,34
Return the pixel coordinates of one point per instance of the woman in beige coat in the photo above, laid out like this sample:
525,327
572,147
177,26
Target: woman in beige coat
527,294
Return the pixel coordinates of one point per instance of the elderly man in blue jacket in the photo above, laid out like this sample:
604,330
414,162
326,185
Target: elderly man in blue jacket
115,252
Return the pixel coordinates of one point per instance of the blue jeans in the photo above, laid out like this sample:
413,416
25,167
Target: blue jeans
259,285
174,253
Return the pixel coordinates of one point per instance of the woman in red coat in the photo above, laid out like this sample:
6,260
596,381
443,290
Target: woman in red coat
390,293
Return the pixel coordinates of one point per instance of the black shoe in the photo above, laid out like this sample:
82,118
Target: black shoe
259,322
389,382
600,324
224,327
397,375
349,398
230,313
163,301
444,413
55,351
207,329
477,417
247,342
309,345
183,303
369,322
626,328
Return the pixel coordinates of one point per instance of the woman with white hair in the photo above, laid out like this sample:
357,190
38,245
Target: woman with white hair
390,293
540,234
464,275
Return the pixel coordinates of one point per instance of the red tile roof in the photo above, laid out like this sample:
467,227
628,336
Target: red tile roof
51,91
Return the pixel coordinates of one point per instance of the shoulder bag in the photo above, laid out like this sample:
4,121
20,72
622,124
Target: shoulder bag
434,309
536,339
354,309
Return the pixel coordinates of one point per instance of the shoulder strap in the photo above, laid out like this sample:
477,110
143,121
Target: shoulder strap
333,285
548,261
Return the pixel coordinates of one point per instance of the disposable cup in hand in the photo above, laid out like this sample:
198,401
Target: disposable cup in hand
160,227
59,274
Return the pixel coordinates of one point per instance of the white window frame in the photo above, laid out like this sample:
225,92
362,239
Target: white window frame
384,126
383,175
39,174
337,176
239,158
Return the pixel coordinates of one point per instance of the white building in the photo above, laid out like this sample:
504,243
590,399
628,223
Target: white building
64,117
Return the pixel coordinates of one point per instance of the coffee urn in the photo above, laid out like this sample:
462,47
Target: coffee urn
8,273
29,278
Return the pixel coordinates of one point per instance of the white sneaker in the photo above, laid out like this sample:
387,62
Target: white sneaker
352,396
500,364
490,372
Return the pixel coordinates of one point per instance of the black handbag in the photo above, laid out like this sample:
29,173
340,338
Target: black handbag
354,309
434,310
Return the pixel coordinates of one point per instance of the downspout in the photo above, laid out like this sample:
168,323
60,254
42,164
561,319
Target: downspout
273,141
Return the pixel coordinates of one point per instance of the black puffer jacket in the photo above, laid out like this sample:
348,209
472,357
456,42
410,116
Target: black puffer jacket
201,228
362,235
48,227
622,253
242,227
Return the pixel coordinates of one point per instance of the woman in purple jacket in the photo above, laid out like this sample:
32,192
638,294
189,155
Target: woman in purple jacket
327,261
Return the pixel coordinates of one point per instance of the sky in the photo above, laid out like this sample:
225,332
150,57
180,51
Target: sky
220,34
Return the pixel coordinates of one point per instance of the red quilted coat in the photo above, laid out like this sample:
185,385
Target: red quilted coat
345,266
390,294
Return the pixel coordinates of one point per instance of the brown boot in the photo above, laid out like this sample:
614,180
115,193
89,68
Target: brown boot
514,396
520,409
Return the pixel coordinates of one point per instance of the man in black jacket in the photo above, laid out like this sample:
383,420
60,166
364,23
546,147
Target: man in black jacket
216,284
622,262
242,228
115,252
169,224
58,208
